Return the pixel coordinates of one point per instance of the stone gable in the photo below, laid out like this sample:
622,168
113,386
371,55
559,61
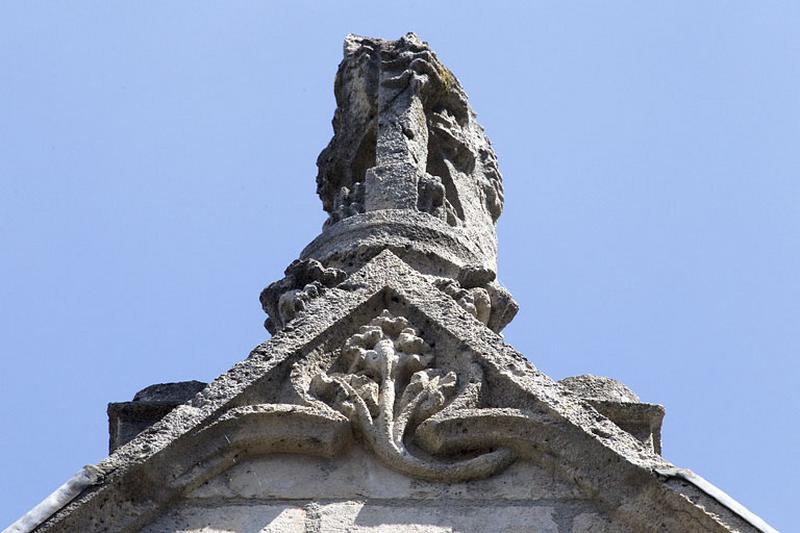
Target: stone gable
387,399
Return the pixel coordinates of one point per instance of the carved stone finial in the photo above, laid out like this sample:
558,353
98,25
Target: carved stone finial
408,169
406,139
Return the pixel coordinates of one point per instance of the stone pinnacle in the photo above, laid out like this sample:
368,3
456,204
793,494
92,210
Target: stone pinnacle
408,169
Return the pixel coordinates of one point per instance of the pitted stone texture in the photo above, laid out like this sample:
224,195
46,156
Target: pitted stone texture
621,405
149,405
600,388
304,280
170,392
593,523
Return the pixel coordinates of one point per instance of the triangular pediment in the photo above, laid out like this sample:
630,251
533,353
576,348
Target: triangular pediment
480,406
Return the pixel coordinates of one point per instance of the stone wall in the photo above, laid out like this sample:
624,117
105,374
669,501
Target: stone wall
354,492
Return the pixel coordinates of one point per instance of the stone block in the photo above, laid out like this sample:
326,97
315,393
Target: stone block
149,405
391,187
252,518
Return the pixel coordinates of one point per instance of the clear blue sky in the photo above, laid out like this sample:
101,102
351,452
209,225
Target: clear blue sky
157,164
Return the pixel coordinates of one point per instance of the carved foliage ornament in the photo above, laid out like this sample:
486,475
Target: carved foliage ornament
304,280
389,386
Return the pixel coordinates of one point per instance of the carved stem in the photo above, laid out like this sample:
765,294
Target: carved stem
406,415
389,359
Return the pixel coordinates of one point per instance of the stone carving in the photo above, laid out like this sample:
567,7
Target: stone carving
405,138
390,386
347,201
409,169
490,303
476,301
304,280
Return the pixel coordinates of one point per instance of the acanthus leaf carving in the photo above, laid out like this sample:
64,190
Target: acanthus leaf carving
390,387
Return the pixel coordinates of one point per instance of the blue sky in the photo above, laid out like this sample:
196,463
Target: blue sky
157,164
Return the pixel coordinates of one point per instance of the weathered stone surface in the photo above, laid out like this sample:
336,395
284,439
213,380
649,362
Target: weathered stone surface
621,405
404,133
149,405
600,388
593,523
170,392
389,387
303,280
